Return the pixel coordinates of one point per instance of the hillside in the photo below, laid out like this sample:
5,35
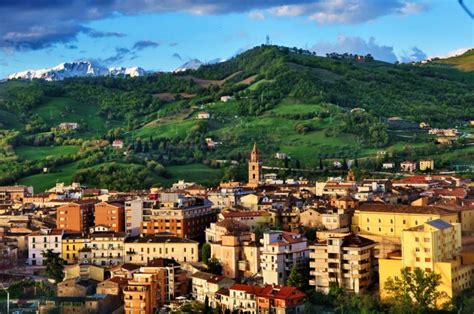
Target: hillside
464,62
315,109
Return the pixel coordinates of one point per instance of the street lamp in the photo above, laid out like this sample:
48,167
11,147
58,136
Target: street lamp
8,297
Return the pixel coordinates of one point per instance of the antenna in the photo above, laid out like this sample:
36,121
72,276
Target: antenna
268,42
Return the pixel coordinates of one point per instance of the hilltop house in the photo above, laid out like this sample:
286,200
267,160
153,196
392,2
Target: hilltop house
203,115
68,126
408,166
117,144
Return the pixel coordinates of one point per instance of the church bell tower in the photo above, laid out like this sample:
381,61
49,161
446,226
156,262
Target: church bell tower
255,167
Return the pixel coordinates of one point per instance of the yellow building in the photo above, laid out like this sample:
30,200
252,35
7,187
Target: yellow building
384,223
390,220
71,244
434,246
427,164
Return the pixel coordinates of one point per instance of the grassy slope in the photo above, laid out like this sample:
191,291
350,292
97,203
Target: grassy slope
43,181
38,153
61,109
463,62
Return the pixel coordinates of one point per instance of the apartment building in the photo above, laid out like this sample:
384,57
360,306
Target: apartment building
76,216
279,252
161,281
136,211
384,223
71,244
434,246
186,217
40,241
143,249
344,260
110,214
104,249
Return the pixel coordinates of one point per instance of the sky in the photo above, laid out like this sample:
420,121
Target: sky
164,34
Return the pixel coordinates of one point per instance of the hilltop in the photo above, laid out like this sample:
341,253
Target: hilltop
314,109
464,62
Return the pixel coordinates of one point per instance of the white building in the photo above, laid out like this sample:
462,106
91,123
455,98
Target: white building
226,98
280,251
42,240
134,215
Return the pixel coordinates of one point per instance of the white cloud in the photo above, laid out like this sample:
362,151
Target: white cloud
356,45
257,15
409,8
413,55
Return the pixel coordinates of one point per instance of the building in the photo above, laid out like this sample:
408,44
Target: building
14,194
76,216
110,214
186,217
206,285
226,98
75,287
385,223
255,168
203,115
238,253
251,299
434,246
408,166
427,164
250,218
68,126
161,281
72,243
105,249
388,165
279,252
41,241
344,260
134,211
117,144
280,299
143,249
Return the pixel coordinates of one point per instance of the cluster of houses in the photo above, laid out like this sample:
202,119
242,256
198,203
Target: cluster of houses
443,136
139,251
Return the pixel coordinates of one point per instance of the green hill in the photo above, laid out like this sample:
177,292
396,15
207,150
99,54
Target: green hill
464,62
287,100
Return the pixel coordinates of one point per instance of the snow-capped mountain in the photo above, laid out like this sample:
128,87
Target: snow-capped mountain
192,64
75,69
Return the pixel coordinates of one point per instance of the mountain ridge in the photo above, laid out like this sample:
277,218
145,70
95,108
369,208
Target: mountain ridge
75,69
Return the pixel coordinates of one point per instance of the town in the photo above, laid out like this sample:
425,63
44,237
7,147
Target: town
263,246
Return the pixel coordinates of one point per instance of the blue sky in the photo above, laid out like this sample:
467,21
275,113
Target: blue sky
162,35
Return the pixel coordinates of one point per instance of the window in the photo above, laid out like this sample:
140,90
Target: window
427,259
426,239
417,239
404,221
427,250
417,259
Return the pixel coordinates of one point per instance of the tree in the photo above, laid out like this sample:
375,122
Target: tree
205,252
54,265
415,288
295,279
207,308
321,166
214,266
